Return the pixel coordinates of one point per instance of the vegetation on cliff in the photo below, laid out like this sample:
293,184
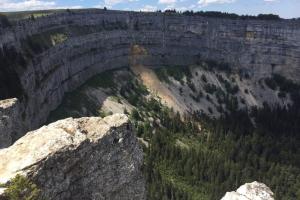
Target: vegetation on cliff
21,187
224,15
183,163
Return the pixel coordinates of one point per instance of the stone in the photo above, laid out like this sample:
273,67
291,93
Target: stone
250,191
85,158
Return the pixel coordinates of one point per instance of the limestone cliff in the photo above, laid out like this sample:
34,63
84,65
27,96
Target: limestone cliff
11,126
86,158
250,191
43,58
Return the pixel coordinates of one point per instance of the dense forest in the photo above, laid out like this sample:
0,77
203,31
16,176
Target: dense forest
184,161
230,152
198,157
223,15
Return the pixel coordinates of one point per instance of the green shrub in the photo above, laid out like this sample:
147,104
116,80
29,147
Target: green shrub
210,88
220,66
208,97
161,73
204,79
231,89
133,99
191,86
20,188
243,101
180,91
104,80
177,72
281,94
135,115
271,83
284,84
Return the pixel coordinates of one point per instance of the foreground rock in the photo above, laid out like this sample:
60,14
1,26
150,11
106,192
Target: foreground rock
250,191
86,158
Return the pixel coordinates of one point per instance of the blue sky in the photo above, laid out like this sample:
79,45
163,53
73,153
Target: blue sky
284,8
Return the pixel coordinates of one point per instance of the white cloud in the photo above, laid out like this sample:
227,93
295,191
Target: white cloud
180,8
149,8
166,1
9,5
271,0
12,5
110,3
207,2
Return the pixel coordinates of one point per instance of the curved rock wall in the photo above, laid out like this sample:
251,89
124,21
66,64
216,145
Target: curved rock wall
91,41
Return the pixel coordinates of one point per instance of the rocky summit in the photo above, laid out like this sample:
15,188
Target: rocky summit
86,158
250,191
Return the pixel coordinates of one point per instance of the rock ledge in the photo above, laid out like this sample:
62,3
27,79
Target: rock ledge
250,191
86,158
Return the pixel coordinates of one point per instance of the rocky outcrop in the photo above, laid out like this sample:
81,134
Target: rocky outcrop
86,158
250,191
11,127
57,53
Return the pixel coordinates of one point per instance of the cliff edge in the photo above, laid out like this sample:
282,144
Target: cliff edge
86,158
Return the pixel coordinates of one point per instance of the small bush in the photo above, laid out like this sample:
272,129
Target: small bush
220,78
22,188
180,91
271,83
204,79
208,97
210,88
243,101
210,110
231,89
135,115
161,73
191,86
281,94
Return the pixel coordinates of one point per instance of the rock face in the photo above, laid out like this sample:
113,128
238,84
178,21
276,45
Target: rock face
51,55
250,191
86,158
10,121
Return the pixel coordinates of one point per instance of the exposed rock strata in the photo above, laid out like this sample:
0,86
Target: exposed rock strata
86,158
92,41
250,191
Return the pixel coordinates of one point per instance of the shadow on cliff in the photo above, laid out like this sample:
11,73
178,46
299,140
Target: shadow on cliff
87,100
10,62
